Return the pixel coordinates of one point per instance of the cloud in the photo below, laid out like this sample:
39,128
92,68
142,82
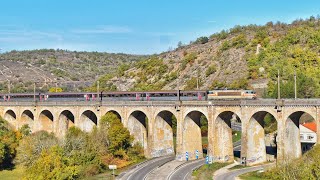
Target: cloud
104,30
23,35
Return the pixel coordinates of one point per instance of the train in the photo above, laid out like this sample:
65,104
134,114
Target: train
173,95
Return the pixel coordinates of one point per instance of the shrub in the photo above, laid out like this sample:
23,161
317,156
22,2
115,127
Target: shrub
202,40
210,70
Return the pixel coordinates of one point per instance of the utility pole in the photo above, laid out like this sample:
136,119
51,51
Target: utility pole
198,78
279,84
34,91
9,86
295,84
98,84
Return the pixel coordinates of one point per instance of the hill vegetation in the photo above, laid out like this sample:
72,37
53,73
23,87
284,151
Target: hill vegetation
243,57
239,58
69,70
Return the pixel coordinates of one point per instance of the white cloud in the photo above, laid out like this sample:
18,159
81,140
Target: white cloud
22,35
104,30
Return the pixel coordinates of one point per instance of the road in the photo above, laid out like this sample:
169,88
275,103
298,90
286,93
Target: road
140,172
184,171
236,126
231,175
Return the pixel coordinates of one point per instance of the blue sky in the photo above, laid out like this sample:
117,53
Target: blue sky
136,27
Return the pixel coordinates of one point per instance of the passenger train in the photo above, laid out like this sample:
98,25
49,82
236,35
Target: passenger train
173,95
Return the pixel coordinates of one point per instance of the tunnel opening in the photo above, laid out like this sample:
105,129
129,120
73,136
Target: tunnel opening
261,138
138,127
164,134
46,121
88,120
66,120
300,134
195,135
27,117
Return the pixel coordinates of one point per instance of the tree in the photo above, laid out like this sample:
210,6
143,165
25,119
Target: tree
202,40
119,137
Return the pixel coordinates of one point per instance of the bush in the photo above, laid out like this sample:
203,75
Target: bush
240,41
202,40
210,70
31,147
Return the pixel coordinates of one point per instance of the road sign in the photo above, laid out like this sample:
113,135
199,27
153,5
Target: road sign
113,167
187,156
197,154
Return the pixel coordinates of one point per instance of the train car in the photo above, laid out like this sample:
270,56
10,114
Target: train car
231,94
19,96
69,96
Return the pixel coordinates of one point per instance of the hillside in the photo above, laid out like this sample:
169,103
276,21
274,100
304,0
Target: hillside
73,71
243,57
238,58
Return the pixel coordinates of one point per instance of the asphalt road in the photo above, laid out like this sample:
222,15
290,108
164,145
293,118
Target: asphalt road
236,126
141,172
231,175
184,171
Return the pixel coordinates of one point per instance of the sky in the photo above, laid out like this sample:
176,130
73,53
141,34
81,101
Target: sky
133,26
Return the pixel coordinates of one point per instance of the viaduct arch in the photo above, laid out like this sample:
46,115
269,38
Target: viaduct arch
151,124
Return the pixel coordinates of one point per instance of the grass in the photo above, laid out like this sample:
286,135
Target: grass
13,174
236,136
255,175
206,171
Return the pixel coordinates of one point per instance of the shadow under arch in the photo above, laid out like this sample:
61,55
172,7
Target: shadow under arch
299,136
261,147
192,134
11,117
65,121
138,128
88,119
46,121
163,134
27,117
223,133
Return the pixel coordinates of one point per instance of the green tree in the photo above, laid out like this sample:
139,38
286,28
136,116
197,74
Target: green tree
202,40
119,138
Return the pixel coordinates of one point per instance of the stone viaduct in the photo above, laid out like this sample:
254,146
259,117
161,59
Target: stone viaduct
151,125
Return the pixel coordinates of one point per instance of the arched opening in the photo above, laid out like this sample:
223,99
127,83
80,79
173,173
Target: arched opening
88,120
27,117
165,127
46,121
11,117
300,134
228,137
195,135
66,120
115,113
261,138
137,126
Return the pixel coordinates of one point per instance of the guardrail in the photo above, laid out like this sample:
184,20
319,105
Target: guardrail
259,102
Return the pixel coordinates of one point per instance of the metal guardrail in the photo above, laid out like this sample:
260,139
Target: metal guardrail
258,102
